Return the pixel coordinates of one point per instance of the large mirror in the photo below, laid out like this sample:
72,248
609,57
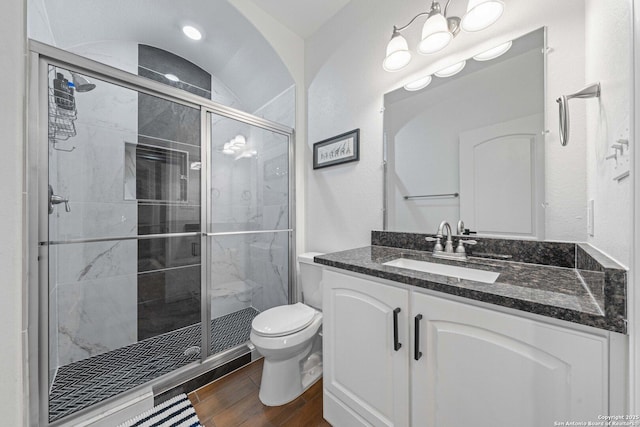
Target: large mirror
471,146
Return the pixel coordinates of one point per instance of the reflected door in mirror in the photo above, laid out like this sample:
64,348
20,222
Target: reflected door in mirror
502,178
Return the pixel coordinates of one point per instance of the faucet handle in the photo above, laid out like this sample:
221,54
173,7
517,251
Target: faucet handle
468,242
462,242
438,246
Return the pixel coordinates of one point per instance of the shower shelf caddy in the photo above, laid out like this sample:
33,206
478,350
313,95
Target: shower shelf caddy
61,120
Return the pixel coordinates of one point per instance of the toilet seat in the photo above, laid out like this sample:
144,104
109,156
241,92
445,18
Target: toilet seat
283,320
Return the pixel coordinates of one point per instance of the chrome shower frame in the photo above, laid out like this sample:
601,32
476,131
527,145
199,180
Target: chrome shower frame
41,56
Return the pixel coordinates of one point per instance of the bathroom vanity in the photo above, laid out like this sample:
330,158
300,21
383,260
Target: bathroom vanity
543,343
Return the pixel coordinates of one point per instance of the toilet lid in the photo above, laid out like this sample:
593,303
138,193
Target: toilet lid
283,320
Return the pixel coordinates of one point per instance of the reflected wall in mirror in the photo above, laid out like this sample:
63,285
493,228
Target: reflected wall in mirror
471,146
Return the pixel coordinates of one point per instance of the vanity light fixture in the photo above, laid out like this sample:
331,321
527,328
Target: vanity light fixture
451,70
418,84
439,29
494,52
192,32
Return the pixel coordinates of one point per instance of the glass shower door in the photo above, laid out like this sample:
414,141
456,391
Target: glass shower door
249,230
145,233
124,240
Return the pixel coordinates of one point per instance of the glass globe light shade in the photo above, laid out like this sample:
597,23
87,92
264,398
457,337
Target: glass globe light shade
435,34
418,84
481,14
494,52
451,69
398,55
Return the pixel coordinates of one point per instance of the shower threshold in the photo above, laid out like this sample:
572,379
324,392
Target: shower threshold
89,381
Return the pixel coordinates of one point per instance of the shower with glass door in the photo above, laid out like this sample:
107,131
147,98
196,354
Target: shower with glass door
159,211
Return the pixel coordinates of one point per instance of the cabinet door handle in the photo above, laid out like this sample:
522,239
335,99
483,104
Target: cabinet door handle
417,354
396,344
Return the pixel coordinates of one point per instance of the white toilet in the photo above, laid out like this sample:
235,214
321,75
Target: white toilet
289,338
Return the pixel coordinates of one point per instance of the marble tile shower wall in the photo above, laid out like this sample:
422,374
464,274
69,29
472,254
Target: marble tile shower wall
251,270
92,301
249,194
268,253
169,269
281,109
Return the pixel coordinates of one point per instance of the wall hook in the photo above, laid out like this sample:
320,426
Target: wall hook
623,142
618,147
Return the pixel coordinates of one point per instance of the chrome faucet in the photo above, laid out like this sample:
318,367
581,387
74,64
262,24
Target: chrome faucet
444,226
447,251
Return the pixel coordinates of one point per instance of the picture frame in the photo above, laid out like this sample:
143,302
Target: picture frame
343,148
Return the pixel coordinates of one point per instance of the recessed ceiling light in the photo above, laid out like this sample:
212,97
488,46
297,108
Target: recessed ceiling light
172,77
191,32
451,69
418,83
494,52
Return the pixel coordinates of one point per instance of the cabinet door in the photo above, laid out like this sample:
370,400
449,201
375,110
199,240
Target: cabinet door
362,369
485,368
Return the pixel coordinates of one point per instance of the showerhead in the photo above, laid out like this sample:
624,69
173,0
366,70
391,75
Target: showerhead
81,83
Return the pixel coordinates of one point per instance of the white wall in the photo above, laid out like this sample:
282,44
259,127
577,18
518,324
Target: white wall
13,332
346,83
608,120
38,26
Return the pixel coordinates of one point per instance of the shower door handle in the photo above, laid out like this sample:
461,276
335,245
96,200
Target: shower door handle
54,199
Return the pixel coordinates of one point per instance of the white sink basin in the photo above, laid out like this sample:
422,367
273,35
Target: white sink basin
445,270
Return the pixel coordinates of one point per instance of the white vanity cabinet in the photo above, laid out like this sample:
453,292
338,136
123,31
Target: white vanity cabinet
485,368
478,366
365,375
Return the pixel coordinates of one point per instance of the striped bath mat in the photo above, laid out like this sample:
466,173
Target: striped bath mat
175,412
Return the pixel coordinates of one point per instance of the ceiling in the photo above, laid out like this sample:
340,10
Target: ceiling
303,17
232,49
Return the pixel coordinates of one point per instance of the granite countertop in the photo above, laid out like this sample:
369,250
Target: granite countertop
552,291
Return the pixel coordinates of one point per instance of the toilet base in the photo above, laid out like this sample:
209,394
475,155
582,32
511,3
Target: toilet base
284,380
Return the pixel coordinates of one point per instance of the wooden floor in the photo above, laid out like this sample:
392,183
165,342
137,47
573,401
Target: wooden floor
232,401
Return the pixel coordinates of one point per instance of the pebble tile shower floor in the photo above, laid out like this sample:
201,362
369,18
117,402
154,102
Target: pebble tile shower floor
89,381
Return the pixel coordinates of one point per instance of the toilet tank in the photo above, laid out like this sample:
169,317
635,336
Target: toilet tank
310,280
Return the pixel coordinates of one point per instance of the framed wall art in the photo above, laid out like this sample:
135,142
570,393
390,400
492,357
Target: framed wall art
340,149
